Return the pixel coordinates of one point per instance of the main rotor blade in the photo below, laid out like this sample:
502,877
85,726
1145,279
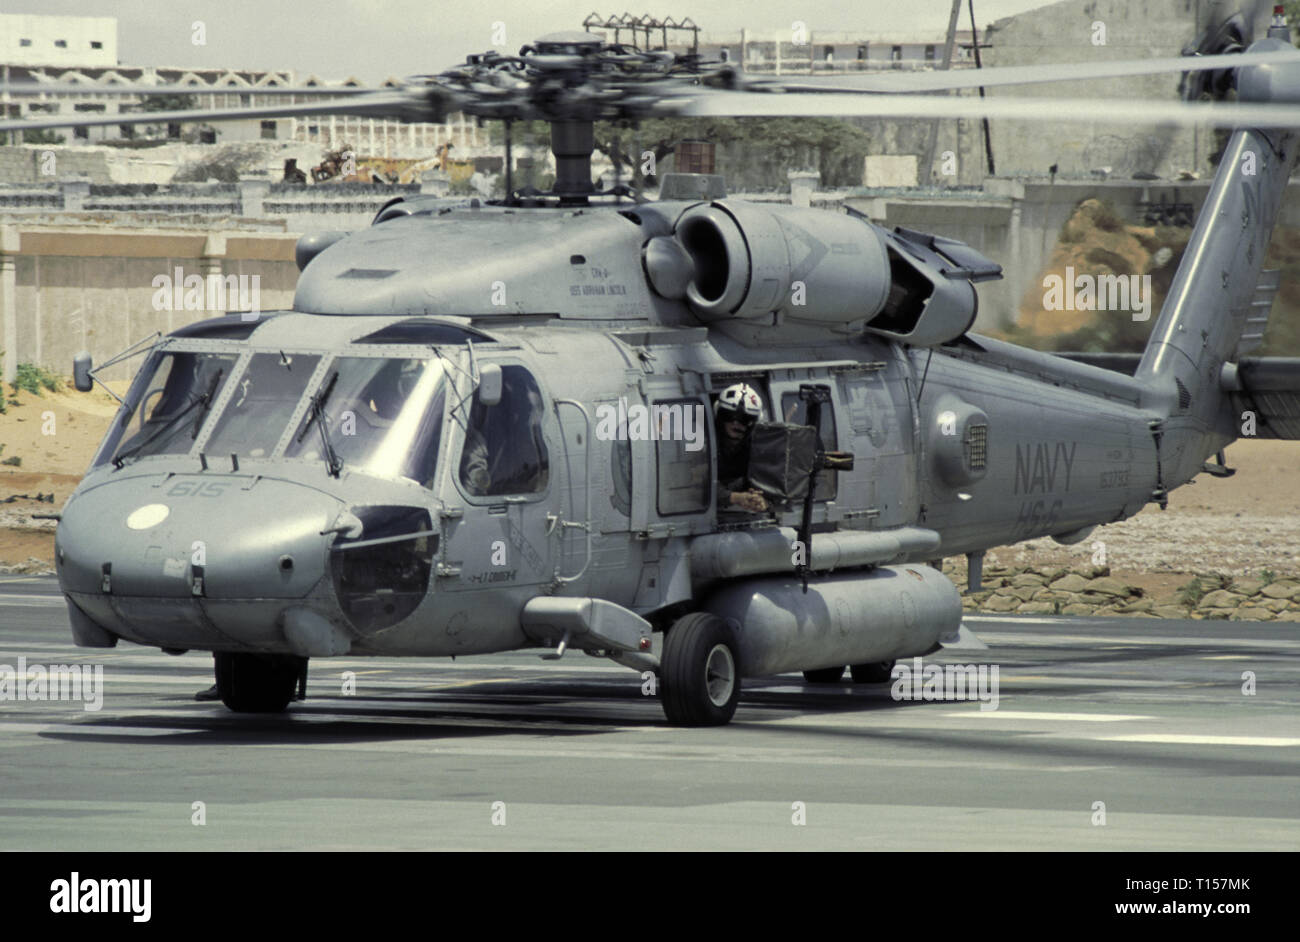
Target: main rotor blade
89,88
717,103
396,105
1029,74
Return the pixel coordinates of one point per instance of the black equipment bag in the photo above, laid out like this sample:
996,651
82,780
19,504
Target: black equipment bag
781,460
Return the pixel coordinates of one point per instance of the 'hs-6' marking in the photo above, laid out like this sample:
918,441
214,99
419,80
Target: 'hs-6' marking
1037,470
1036,517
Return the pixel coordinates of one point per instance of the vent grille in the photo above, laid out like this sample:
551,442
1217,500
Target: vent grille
369,273
977,447
1184,396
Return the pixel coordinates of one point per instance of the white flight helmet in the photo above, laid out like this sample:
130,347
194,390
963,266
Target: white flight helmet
742,399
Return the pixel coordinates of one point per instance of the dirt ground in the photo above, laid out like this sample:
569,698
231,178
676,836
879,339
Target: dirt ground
1238,526
52,437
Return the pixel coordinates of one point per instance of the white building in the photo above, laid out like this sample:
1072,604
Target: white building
784,52
82,51
27,39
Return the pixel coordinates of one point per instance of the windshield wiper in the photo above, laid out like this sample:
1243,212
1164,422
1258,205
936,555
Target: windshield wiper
204,400
333,463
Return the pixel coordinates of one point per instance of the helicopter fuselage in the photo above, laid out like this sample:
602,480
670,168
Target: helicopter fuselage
237,535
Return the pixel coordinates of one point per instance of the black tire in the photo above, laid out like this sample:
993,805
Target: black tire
824,675
257,683
700,671
877,673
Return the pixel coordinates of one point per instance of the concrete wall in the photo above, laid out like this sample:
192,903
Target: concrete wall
26,163
103,164
1058,33
283,207
69,288
1064,32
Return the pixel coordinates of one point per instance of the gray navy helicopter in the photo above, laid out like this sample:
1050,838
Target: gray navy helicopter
488,426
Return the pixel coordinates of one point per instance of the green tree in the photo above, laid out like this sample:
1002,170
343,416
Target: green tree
42,136
159,103
1291,8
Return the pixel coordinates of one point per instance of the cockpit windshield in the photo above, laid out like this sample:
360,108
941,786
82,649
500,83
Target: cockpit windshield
261,405
379,415
167,405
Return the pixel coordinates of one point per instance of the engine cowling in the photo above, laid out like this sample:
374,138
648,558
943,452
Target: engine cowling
747,262
750,261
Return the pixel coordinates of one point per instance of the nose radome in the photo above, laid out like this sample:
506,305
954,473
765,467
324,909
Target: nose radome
195,535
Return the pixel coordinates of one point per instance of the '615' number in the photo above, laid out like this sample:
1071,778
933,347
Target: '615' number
198,489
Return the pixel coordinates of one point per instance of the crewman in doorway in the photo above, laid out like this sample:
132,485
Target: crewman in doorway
735,413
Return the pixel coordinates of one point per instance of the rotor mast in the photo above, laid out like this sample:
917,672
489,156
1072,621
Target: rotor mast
572,143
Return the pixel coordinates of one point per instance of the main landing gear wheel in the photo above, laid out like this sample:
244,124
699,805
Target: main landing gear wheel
824,675
257,683
701,671
877,673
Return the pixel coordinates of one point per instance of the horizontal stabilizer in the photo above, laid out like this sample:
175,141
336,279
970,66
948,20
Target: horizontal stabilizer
1266,387
1269,387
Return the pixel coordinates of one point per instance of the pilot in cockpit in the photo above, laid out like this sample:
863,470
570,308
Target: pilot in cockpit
389,391
504,450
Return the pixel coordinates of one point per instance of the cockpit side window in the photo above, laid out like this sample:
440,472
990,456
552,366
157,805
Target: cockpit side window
504,451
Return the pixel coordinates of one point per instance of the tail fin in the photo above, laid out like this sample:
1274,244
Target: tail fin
1210,303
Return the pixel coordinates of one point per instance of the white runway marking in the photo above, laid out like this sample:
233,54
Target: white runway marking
1097,641
1193,740
1063,717
31,601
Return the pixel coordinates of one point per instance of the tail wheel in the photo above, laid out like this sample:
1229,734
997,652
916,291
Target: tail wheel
877,673
825,675
257,683
701,671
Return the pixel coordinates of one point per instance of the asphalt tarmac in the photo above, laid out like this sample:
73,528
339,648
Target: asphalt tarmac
1109,734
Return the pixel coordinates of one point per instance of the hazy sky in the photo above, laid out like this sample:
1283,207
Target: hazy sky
373,39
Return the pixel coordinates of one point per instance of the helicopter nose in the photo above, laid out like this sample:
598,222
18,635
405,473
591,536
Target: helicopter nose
195,560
